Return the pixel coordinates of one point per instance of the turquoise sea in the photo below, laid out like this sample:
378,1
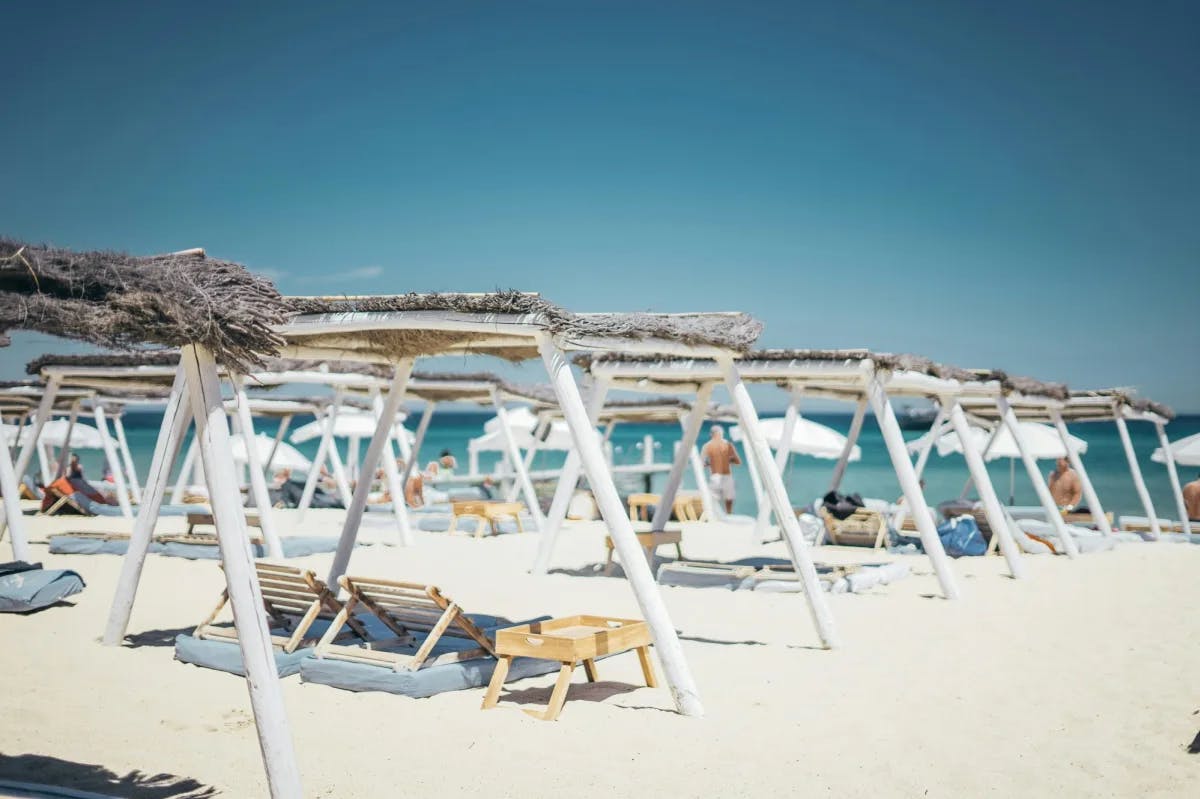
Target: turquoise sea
806,477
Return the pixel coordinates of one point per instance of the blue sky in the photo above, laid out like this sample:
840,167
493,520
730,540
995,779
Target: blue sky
1012,185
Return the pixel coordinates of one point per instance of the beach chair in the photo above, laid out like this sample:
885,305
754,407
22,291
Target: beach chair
649,542
688,508
640,504
488,513
405,609
863,528
294,599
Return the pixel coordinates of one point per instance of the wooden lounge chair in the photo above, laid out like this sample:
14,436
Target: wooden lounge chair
294,599
863,528
686,507
488,513
689,508
640,504
649,542
195,520
404,608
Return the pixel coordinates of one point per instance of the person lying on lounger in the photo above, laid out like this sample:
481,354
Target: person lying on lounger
1191,499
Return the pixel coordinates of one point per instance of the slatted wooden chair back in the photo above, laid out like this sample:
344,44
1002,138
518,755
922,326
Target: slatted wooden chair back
688,509
639,505
293,599
407,608
864,527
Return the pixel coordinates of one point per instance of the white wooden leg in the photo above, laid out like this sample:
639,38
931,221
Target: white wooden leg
12,506
245,597
329,418
530,453
1136,471
1089,490
176,417
987,492
114,463
914,497
856,423
1053,515
185,473
587,442
935,432
411,463
514,454
758,452
392,474
358,503
127,458
1169,459
44,413
64,453
706,498
790,417
258,480
284,424
691,432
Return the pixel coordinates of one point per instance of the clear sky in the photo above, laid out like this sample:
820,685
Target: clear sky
1013,185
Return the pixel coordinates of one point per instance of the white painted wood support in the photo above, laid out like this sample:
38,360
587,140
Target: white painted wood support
245,596
1135,470
856,423
539,429
691,432
390,471
914,497
790,418
284,424
997,520
383,432
411,463
258,480
633,560
1176,488
514,455
64,453
706,497
758,452
177,416
45,456
935,432
756,484
1053,515
114,463
14,519
341,478
568,481
185,473
329,419
1089,490
127,458
44,412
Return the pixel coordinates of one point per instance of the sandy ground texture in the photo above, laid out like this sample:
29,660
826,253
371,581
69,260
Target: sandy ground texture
1079,681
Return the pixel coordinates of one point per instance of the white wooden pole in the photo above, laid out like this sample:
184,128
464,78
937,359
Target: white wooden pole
1135,469
353,467
114,463
391,473
411,465
756,483
44,457
790,417
691,432
177,416
633,560
329,419
1169,459
258,480
64,453
341,478
987,492
568,481
284,424
1089,490
541,428
1053,515
914,497
44,411
514,454
706,497
383,431
127,458
856,423
935,432
757,451
13,516
245,596
185,473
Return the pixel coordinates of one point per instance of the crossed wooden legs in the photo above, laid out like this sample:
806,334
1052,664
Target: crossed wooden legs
558,696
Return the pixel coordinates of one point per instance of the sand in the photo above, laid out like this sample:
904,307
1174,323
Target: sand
1079,681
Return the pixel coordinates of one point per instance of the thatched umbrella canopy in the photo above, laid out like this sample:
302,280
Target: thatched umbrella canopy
125,302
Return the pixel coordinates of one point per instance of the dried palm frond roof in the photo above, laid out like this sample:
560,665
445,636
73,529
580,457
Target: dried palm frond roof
499,324
1127,397
104,360
124,302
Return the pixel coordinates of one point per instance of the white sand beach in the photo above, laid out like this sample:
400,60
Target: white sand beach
1076,682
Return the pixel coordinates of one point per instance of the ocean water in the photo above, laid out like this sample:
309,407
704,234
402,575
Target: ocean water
806,477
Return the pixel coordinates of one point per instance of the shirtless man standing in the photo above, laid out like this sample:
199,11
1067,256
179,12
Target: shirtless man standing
720,457
1065,486
1191,499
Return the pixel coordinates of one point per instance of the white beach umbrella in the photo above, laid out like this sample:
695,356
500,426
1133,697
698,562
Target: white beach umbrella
559,439
54,433
1186,451
286,457
808,438
519,419
350,423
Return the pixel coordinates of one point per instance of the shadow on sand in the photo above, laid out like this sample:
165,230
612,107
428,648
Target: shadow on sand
56,773
156,637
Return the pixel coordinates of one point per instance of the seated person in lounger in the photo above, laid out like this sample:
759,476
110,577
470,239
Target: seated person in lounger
447,463
1191,499
414,489
1065,486
75,469
720,457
